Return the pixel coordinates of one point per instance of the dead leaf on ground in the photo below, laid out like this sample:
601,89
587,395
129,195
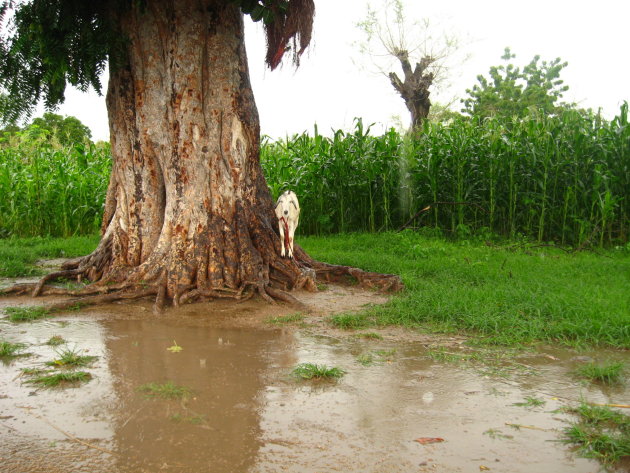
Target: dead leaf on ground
428,440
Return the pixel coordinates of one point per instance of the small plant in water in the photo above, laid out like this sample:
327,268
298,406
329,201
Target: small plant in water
71,357
192,419
11,350
313,371
35,371
600,433
369,336
286,319
55,340
26,314
349,321
365,359
611,373
497,434
530,402
59,379
168,390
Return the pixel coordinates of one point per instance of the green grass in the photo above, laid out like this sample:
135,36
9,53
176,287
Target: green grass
530,402
507,293
168,390
503,294
286,319
11,350
314,371
600,433
610,373
369,336
190,419
71,357
350,321
55,340
19,255
26,314
60,379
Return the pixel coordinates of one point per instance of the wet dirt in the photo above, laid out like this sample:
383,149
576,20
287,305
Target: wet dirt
246,413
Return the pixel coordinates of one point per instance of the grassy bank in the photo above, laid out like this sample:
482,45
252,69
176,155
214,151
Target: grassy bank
507,293
18,256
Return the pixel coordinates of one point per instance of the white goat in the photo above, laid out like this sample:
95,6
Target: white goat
288,213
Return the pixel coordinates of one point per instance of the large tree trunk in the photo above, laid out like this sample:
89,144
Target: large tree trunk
188,213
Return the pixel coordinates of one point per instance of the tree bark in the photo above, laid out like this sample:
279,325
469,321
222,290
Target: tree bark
188,214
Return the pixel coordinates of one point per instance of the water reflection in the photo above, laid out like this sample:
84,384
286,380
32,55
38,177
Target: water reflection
216,428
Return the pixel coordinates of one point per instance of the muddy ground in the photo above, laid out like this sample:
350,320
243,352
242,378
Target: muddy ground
246,413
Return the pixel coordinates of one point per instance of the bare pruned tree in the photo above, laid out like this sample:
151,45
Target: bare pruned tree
422,50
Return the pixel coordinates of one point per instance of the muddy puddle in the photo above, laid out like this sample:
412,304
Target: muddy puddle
242,411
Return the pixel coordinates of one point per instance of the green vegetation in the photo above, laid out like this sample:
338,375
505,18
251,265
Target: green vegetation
35,371
530,402
600,433
60,379
369,336
557,178
374,356
313,371
191,419
168,390
26,314
55,340
512,92
560,178
504,293
511,294
48,191
349,321
609,373
11,350
497,434
286,319
71,357
366,359
19,255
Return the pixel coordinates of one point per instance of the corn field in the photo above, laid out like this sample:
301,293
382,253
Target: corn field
56,192
563,179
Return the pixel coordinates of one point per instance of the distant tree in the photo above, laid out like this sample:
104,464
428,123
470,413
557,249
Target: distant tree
66,130
512,92
188,214
417,49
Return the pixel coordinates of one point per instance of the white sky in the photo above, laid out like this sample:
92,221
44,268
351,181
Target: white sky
330,90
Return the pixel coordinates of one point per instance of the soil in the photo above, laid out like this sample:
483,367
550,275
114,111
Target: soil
247,413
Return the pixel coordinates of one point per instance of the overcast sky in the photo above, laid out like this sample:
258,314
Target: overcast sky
330,89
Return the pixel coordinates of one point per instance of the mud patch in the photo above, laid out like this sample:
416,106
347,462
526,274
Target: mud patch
243,411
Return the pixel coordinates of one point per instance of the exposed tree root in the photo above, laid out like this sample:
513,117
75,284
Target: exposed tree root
102,299
188,275
345,274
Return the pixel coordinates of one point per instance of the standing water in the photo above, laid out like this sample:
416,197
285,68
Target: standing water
192,392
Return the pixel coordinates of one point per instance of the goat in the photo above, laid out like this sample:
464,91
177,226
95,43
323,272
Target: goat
288,213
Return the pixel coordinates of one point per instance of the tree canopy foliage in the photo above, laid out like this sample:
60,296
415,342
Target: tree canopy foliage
47,44
51,128
511,91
